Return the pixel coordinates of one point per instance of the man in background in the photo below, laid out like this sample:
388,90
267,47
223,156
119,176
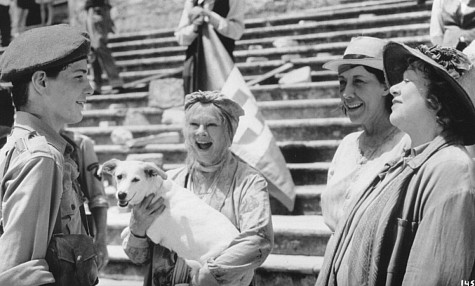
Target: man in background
99,24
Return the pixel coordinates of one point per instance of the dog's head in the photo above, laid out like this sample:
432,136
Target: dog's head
134,179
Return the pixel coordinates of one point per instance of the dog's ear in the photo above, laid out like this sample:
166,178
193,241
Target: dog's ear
109,167
152,170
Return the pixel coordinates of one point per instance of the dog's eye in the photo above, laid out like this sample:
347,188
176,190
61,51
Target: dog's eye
119,177
135,180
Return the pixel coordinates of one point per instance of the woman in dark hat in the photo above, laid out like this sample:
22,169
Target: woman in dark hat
414,224
365,99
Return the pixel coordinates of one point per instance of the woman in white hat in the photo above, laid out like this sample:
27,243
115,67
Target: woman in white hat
414,225
366,101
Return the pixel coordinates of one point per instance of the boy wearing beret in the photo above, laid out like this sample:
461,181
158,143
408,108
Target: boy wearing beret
48,70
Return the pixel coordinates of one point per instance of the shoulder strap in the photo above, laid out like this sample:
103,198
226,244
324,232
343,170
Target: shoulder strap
75,156
81,180
6,164
57,224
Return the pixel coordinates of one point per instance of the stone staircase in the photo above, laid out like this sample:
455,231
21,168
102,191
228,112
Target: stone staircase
305,118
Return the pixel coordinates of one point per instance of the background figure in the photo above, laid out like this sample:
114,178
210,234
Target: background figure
5,22
99,24
225,183
361,155
226,17
91,185
452,23
22,7
47,12
7,114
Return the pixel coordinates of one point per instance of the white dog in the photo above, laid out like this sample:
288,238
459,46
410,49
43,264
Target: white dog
188,226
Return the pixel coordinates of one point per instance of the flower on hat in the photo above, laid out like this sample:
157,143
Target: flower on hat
454,61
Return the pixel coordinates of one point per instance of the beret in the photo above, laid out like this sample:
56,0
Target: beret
43,48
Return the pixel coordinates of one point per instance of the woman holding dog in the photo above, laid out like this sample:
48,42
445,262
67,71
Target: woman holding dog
414,224
224,182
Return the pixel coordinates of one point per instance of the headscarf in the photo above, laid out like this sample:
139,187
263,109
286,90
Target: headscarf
230,110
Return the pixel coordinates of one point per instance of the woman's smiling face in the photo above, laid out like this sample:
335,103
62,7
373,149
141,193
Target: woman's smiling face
205,134
362,96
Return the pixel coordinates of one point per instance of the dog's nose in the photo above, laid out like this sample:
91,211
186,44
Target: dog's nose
121,195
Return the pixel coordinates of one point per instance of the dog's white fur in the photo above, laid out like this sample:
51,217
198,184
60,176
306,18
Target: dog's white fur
188,226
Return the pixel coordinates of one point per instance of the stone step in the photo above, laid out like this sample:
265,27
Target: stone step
156,66
284,270
270,92
319,14
315,76
294,151
152,47
309,173
277,270
302,173
307,200
417,29
309,108
369,20
293,234
154,61
341,12
283,130
120,115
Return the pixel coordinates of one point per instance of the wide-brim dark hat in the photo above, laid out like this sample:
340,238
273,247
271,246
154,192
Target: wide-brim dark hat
366,51
458,72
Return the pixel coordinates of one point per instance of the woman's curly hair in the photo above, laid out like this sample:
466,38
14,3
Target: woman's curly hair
441,93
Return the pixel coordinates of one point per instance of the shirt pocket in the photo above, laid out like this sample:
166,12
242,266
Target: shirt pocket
403,233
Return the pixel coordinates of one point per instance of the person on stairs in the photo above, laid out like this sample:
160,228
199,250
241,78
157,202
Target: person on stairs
99,24
225,183
452,23
413,225
48,70
5,22
7,114
46,11
226,17
361,155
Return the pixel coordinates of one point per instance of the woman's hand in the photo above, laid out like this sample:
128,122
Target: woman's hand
144,214
196,12
204,278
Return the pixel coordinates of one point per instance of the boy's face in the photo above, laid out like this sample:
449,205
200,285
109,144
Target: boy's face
66,94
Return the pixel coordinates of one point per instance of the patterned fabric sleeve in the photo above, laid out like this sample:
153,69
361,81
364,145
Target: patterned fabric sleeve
255,241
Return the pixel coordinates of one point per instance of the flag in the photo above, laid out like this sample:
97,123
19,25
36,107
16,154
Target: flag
253,141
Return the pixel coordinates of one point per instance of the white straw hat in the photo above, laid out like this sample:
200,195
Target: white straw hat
367,51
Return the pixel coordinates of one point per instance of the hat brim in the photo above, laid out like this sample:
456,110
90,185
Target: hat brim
395,63
335,64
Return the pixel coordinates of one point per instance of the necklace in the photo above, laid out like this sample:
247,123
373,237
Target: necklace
372,147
